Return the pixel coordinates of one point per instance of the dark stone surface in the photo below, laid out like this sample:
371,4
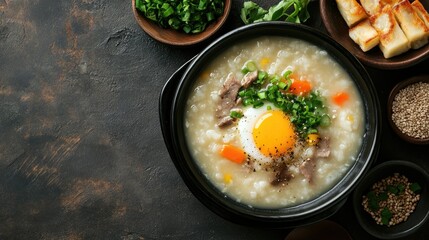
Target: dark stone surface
81,150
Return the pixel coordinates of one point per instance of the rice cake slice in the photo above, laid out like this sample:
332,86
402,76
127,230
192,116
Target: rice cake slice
371,7
389,2
392,40
364,35
351,11
421,11
414,28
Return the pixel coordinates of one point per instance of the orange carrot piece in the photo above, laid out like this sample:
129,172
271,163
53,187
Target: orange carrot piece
232,153
299,87
340,98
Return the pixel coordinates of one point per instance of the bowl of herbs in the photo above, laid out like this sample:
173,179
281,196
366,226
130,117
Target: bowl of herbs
181,22
391,201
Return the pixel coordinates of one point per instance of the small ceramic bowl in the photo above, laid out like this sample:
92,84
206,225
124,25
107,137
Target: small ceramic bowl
414,173
177,38
393,93
338,29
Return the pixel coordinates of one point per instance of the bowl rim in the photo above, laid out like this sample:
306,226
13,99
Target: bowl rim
181,39
375,174
208,194
399,86
399,62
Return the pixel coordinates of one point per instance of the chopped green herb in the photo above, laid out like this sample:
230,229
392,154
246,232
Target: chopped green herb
415,187
307,112
286,10
236,114
386,215
392,189
249,66
373,201
184,15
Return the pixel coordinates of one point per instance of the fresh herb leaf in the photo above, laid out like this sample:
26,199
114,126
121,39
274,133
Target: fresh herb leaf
286,10
415,187
392,189
386,215
373,201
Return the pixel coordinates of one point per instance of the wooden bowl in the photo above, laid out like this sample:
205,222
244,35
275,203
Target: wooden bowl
338,29
173,37
393,93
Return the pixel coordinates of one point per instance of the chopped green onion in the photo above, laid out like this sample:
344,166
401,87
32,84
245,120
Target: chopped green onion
184,15
236,114
249,66
307,112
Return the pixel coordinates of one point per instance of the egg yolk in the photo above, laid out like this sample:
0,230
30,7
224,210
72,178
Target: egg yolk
274,134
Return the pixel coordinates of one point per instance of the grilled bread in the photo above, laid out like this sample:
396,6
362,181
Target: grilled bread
351,11
414,27
364,35
392,40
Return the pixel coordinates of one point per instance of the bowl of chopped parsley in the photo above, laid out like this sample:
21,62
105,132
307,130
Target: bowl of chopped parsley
181,22
391,201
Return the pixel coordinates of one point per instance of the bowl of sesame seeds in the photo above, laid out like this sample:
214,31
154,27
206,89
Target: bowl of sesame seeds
408,109
391,201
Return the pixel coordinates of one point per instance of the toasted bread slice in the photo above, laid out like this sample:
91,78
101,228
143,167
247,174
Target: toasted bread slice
414,27
364,35
371,7
392,40
421,11
351,11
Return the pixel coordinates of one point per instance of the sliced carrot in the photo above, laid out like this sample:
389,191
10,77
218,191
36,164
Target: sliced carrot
232,153
300,87
340,98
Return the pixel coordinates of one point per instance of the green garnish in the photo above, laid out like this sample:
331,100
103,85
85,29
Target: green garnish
306,112
386,215
249,66
189,16
236,114
415,187
286,10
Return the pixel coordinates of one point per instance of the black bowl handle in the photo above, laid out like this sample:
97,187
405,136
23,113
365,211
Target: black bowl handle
166,102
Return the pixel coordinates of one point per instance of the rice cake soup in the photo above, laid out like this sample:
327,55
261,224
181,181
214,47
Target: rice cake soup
274,122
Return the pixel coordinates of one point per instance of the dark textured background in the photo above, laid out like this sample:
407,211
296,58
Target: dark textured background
81,150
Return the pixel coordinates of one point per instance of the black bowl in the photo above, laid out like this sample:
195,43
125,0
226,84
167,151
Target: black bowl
172,107
414,173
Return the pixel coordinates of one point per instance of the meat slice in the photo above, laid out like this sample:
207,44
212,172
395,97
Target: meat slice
307,168
323,149
249,78
228,95
283,175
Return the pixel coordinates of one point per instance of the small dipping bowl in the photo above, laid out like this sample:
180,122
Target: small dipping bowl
391,99
414,173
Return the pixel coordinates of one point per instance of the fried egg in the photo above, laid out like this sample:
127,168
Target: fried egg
266,133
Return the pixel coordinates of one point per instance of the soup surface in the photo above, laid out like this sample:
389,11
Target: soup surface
260,154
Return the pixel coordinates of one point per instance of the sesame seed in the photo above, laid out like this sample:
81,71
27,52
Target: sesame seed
410,110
